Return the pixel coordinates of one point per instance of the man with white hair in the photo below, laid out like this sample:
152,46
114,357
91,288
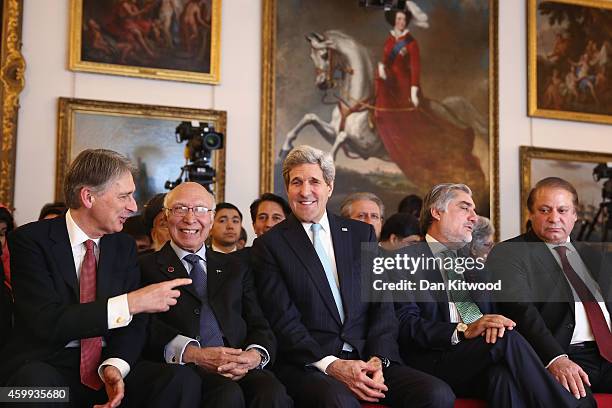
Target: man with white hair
334,348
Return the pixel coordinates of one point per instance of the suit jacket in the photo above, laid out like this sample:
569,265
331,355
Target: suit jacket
536,293
231,295
298,301
425,324
48,314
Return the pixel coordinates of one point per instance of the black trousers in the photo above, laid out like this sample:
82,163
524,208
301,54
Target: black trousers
587,356
507,374
310,388
257,389
148,384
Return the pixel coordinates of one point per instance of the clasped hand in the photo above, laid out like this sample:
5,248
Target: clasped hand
364,379
226,361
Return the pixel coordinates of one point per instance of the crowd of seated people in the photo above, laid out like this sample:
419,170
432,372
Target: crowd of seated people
183,314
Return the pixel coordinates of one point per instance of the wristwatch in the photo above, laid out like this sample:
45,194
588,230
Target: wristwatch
384,361
461,328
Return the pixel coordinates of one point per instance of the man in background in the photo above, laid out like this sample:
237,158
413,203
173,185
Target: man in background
267,211
365,207
225,231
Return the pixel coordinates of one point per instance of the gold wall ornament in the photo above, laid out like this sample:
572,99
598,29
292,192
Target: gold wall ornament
12,75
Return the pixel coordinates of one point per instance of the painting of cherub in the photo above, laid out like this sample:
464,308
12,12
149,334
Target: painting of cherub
164,39
570,59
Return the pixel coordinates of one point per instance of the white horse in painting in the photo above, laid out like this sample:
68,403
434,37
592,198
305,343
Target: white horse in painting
342,64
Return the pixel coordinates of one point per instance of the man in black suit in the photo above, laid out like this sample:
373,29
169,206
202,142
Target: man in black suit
453,333
77,302
217,326
558,291
334,348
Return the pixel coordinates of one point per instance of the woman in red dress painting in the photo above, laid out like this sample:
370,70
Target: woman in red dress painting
427,147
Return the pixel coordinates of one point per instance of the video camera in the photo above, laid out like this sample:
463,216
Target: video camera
201,139
383,4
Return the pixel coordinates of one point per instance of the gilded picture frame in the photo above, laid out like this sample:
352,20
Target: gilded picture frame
574,166
176,40
143,133
570,60
288,68
12,72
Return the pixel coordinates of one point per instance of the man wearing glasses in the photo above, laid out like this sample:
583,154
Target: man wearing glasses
217,326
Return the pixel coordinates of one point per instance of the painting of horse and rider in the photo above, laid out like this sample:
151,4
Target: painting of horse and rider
402,98
570,59
163,39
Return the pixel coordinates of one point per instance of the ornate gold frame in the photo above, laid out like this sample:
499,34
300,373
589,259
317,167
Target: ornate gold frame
12,74
68,107
75,62
532,58
268,103
528,153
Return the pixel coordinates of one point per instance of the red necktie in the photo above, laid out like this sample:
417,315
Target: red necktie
91,348
599,326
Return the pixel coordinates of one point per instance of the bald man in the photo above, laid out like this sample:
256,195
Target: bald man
217,324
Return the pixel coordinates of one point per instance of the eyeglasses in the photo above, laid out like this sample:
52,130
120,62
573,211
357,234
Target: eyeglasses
181,210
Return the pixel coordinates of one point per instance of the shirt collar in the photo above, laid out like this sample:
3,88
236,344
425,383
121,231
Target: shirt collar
75,234
567,244
215,248
181,253
435,245
324,221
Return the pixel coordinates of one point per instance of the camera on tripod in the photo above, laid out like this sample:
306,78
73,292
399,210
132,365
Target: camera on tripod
201,139
603,215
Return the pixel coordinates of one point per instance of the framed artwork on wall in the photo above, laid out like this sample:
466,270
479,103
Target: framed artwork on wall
162,39
143,133
332,79
570,59
12,73
577,167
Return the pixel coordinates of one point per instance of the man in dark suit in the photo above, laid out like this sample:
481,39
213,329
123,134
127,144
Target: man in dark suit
334,348
77,302
558,291
217,324
453,333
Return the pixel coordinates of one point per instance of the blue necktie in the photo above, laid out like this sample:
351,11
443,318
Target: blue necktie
329,273
209,327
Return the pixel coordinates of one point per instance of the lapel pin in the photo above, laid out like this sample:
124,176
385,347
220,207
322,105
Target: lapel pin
344,229
218,270
170,269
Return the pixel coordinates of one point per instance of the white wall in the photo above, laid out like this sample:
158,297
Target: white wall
45,47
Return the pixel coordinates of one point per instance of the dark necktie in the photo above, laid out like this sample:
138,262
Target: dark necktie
599,326
209,326
91,348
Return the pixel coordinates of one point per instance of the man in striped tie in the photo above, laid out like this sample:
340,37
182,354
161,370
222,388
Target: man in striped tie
559,291
455,333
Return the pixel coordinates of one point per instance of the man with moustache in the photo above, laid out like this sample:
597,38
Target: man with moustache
456,334
334,349
217,325
558,292
79,319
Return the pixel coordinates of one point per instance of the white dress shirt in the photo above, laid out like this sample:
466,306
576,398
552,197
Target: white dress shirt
174,350
436,248
118,311
582,329
326,239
